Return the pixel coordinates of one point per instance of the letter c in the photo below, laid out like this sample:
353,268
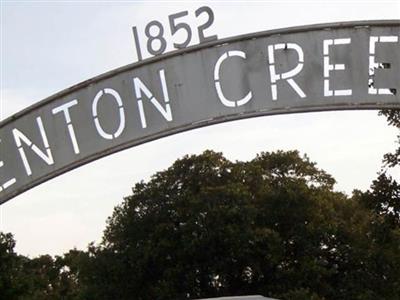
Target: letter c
224,100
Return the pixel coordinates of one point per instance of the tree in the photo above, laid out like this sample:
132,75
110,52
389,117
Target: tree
40,278
383,236
384,199
8,267
209,227
383,202
393,119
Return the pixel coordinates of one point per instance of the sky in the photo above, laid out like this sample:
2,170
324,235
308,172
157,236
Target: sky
47,46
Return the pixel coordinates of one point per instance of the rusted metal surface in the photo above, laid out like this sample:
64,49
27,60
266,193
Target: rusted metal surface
341,66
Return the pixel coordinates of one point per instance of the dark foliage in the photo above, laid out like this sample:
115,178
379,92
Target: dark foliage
208,227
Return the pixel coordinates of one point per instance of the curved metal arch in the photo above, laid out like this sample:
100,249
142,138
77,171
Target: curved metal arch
339,66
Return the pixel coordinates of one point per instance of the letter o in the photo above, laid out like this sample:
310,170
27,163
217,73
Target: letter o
121,126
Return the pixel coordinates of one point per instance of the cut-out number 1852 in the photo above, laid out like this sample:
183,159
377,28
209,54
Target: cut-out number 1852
174,26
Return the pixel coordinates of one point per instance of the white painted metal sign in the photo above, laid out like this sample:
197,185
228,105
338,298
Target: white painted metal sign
352,65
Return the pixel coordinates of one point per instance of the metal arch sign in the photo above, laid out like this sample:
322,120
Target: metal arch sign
341,66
